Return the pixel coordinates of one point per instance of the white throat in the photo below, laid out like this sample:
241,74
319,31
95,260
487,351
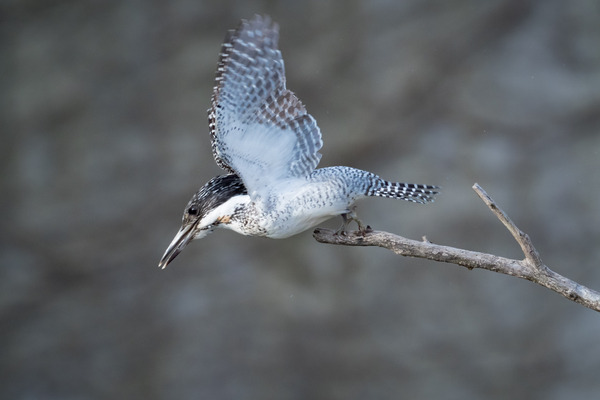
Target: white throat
224,216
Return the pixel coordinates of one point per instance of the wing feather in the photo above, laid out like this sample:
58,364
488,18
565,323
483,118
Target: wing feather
259,129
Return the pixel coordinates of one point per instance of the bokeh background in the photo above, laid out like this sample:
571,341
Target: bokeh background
104,139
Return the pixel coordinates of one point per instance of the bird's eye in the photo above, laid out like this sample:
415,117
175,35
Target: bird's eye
193,210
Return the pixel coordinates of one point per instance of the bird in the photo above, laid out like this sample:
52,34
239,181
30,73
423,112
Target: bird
268,144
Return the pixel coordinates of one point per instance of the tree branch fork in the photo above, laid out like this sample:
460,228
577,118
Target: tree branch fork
531,267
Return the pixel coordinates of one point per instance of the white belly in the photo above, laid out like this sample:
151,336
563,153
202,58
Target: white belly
293,208
292,227
295,216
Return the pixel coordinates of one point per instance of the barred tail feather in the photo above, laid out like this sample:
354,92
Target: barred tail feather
406,191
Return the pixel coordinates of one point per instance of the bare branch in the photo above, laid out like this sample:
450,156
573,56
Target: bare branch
531,268
522,238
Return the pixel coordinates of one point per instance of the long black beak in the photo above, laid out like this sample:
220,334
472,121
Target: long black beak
183,237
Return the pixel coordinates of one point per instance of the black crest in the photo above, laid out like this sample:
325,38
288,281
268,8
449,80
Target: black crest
214,193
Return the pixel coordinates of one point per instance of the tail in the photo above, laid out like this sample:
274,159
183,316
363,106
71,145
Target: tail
406,191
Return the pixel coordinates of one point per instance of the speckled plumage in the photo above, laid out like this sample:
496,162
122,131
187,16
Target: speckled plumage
262,135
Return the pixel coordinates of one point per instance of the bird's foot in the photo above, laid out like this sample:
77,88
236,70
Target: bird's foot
349,217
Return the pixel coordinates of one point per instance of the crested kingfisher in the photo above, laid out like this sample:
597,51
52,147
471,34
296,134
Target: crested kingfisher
268,144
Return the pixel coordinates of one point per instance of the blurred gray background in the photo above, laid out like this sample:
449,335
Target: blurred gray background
105,138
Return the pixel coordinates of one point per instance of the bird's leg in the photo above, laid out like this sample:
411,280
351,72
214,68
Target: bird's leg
349,217
343,229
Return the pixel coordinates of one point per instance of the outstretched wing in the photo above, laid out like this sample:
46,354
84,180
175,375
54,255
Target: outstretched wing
259,129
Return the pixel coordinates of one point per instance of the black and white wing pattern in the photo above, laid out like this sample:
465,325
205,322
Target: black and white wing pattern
259,129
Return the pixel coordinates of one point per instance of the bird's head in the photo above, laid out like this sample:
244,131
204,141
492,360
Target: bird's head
211,206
